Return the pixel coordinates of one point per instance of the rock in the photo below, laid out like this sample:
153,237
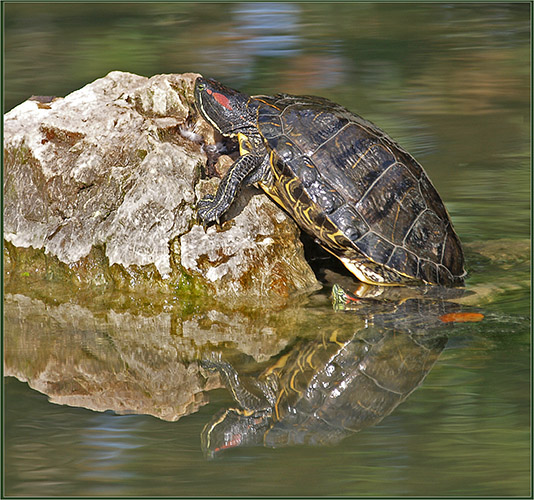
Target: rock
261,234
104,182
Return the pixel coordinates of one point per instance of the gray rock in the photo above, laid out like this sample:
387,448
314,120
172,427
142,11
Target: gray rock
104,182
261,235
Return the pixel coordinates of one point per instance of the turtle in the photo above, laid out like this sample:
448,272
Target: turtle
342,179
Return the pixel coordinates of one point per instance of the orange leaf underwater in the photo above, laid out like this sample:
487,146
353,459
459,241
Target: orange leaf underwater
461,317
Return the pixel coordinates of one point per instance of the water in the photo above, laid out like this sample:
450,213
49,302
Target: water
103,402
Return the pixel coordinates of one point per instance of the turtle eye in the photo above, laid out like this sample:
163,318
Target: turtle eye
201,86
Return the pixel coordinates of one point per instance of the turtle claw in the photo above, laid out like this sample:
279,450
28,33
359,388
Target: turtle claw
208,211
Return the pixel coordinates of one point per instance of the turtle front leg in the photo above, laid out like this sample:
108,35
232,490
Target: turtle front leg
211,208
250,394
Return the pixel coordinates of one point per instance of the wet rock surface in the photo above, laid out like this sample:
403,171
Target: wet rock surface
100,189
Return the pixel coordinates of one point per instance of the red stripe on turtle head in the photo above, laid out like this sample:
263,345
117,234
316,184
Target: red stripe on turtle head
222,100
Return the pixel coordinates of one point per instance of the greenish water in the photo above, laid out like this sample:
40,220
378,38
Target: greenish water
102,402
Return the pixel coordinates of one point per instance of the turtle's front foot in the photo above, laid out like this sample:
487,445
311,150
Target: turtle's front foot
209,211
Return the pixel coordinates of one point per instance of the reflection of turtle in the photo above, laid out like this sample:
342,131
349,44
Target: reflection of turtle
342,179
324,389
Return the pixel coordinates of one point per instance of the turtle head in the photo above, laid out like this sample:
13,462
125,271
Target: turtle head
224,108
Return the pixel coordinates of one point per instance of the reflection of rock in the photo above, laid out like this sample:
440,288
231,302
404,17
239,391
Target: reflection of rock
103,183
255,337
126,362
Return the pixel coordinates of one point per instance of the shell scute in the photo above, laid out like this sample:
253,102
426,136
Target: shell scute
431,270
349,222
353,160
392,204
373,244
426,237
400,258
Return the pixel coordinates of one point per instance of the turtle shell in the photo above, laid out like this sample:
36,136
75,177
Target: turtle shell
351,186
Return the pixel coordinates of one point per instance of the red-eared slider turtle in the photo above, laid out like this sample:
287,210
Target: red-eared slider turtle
343,180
